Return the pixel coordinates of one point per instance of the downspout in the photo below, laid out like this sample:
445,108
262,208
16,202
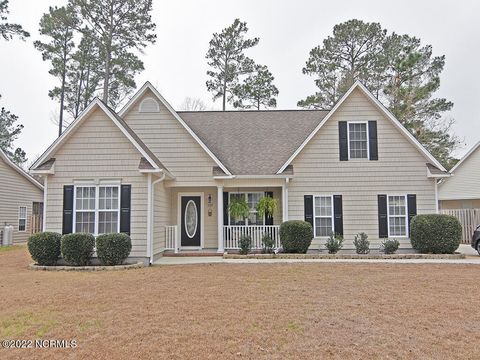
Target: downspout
152,211
436,196
44,215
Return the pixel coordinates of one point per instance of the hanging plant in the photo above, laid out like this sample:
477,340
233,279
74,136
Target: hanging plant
238,208
267,206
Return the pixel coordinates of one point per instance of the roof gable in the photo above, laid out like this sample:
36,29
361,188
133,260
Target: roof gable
19,170
124,128
383,110
465,157
149,86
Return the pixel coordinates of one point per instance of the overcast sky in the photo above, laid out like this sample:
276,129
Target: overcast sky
176,64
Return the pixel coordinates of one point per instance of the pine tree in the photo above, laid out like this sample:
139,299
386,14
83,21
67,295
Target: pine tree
117,27
226,56
9,132
58,25
8,30
256,90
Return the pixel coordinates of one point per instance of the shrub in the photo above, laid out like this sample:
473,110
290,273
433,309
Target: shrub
245,244
334,243
362,245
296,236
435,233
389,246
113,249
77,248
44,247
267,244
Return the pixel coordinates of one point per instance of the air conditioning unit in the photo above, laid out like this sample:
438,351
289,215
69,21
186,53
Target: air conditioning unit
7,235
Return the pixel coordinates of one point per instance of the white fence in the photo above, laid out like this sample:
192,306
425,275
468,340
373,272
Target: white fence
233,233
469,219
171,238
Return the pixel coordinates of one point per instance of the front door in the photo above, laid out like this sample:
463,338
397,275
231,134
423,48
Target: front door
190,219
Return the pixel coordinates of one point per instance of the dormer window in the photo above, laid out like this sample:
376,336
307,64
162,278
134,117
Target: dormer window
149,105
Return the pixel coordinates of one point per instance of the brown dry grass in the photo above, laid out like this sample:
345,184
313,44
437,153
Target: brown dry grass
265,311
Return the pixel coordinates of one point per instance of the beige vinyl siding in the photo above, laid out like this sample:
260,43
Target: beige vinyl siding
172,144
400,169
98,150
16,191
162,208
460,204
465,182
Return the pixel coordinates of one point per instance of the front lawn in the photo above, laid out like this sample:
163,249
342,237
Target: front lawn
326,310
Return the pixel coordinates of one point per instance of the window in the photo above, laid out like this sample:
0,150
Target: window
252,199
397,216
357,140
323,213
22,218
97,209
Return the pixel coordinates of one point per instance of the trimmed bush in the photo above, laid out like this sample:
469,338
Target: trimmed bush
245,244
389,246
267,244
44,247
113,249
362,245
334,243
296,236
77,248
435,233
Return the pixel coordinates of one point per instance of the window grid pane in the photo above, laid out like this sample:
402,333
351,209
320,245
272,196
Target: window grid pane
85,222
397,215
358,140
252,201
323,215
85,198
107,222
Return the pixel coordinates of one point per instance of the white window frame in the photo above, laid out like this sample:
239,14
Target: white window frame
21,218
399,216
245,193
322,217
348,140
97,201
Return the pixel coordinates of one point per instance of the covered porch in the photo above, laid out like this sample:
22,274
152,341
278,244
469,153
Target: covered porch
206,214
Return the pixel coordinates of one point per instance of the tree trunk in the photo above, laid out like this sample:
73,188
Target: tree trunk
62,94
224,92
108,57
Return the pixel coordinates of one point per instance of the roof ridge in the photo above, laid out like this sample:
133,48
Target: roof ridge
251,111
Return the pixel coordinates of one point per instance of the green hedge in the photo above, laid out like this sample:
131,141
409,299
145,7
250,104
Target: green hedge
113,249
296,236
77,249
435,233
44,247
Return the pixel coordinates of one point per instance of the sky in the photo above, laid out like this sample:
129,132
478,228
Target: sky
288,30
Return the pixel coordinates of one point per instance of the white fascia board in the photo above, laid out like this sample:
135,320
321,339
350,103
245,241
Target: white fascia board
149,86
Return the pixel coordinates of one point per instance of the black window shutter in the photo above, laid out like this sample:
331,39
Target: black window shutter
269,218
125,205
343,140
225,208
67,225
382,217
412,208
337,214
372,140
308,208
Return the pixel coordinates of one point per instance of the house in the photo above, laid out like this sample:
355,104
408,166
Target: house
21,200
166,177
462,190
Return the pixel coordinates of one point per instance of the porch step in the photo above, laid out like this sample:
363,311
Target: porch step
191,253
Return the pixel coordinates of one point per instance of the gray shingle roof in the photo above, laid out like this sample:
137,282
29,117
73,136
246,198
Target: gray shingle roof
253,142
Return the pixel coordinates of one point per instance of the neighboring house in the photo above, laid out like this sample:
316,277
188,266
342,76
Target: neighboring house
21,200
462,190
166,177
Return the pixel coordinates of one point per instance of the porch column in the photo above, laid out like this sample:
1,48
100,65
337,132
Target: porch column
221,249
285,200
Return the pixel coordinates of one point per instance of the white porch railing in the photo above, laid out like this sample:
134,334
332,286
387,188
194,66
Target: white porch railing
469,219
171,238
233,233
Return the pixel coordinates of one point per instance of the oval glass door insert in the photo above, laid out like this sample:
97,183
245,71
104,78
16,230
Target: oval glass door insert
191,219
